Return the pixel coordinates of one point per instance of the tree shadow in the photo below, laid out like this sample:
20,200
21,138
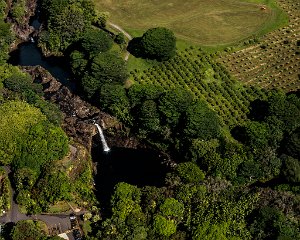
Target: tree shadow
134,47
258,110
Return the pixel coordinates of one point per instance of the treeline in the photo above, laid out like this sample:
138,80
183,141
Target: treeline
213,192
32,141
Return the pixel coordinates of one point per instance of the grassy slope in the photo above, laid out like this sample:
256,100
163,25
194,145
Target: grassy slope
205,22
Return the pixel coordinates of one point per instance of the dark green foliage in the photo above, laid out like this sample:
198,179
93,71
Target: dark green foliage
6,38
44,142
285,110
164,226
95,41
172,209
292,146
149,117
107,67
190,173
201,122
158,43
90,85
291,169
22,83
173,103
250,171
78,63
50,110
269,223
27,230
138,93
18,11
52,187
120,38
24,178
256,135
66,22
113,99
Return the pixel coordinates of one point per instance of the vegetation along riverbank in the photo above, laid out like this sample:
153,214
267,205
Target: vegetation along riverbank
149,119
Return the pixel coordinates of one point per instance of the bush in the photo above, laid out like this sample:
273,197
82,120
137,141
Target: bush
22,83
44,142
190,173
16,118
201,122
156,43
95,41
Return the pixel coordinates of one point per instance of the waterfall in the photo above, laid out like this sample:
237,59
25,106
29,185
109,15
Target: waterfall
104,143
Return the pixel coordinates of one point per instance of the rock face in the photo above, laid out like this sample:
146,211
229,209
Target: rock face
79,114
22,29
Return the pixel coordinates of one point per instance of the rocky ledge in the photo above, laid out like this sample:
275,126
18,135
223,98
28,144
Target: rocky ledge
22,30
79,115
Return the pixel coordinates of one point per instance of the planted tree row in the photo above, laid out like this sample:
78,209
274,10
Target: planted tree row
274,62
199,73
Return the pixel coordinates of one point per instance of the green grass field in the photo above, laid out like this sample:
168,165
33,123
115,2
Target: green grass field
205,22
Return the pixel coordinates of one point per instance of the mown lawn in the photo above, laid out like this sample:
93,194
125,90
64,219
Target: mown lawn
205,22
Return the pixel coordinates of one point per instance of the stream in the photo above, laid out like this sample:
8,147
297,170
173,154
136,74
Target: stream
139,167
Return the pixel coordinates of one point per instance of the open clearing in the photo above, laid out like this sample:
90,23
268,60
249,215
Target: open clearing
206,22
275,61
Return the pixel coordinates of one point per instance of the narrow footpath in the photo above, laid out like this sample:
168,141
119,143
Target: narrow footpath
127,35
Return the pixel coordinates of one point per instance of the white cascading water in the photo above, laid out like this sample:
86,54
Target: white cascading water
104,143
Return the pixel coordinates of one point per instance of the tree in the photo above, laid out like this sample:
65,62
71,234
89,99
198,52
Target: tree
22,83
6,38
66,22
113,98
44,142
52,187
18,11
158,43
285,110
27,230
201,122
3,7
78,63
190,173
106,68
15,119
270,223
256,135
138,93
172,209
164,226
95,41
101,19
173,103
120,38
291,169
149,117
109,67
24,178
292,146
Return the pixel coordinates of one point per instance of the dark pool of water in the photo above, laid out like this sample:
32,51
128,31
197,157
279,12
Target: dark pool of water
28,54
140,167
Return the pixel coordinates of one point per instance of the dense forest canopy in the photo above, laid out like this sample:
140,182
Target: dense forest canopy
225,179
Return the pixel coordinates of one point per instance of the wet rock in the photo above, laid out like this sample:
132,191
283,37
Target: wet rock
22,29
80,116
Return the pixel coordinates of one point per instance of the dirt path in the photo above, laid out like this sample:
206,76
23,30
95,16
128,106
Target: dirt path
127,35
